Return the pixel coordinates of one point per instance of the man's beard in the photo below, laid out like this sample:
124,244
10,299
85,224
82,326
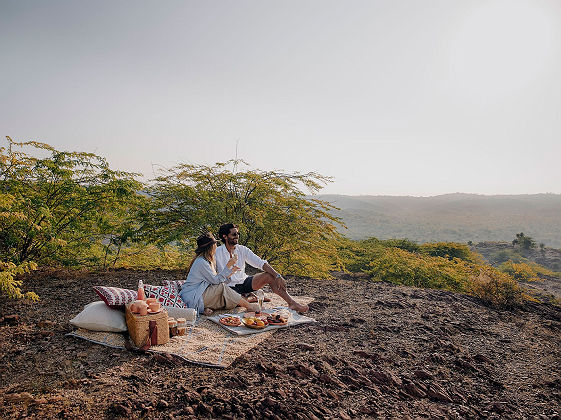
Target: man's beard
232,241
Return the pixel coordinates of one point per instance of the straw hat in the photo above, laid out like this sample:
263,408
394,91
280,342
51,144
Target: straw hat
204,241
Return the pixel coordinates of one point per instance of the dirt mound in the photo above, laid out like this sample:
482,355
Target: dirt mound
377,350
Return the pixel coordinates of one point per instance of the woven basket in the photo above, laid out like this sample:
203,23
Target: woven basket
139,326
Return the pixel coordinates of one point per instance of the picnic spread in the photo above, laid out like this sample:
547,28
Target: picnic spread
155,320
269,320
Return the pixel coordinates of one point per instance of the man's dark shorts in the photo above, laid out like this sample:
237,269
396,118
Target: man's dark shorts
244,287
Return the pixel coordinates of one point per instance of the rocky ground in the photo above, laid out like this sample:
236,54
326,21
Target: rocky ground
377,351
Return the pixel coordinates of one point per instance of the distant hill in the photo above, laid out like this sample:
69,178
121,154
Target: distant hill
451,217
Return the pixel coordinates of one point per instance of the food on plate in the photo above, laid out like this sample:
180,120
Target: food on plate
254,322
230,321
262,315
277,319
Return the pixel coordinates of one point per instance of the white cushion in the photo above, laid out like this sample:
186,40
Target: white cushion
97,316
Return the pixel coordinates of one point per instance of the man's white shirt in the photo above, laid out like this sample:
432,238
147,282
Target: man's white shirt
245,255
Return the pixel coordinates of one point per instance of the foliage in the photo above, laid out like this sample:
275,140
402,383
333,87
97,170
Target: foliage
449,266
403,267
55,209
499,257
151,257
450,250
525,242
404,244
525,271
12,287
70,208
495,288
356,255
275,217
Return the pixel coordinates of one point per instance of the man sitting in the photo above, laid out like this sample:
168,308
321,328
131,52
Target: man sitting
240,282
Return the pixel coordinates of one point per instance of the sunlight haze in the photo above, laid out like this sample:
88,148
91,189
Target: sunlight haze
387,97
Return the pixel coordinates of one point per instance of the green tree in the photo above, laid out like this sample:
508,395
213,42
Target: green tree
59,207
277,220
525,242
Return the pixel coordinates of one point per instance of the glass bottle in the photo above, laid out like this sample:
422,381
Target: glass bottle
141,295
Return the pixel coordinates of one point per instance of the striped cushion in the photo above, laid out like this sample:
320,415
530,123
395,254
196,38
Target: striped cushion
115,297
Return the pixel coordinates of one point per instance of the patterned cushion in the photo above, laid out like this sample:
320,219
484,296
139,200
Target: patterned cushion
115,297
167,295
174,283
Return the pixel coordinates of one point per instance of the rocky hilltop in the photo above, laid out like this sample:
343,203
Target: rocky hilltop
497,252
377,350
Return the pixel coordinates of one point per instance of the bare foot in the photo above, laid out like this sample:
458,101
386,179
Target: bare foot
299,308
207,312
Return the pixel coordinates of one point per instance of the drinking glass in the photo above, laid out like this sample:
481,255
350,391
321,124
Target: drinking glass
260,294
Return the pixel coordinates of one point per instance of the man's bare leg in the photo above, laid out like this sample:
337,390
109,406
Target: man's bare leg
278,287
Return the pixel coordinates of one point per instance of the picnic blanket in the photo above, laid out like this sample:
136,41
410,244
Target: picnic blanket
205,342
294,319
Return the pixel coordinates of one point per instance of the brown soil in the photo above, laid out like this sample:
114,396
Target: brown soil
377,350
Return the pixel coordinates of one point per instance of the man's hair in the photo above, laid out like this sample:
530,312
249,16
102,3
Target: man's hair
225,230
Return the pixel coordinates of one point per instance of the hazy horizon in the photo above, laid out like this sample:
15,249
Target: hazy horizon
389,98
439,195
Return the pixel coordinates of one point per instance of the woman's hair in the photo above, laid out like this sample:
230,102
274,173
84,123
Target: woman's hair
208,254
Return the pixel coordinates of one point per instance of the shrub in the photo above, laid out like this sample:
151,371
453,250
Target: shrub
448,266
12,287
525,271
449,250
495,288
404,244
399,266
499,257
355,256
519,271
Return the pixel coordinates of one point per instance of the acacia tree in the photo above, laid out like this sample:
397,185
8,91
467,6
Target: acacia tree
276,218
55,209
524,241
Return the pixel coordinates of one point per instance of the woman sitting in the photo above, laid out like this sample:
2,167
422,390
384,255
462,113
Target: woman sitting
206,290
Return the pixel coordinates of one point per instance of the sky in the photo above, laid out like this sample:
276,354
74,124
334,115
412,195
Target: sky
396,97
